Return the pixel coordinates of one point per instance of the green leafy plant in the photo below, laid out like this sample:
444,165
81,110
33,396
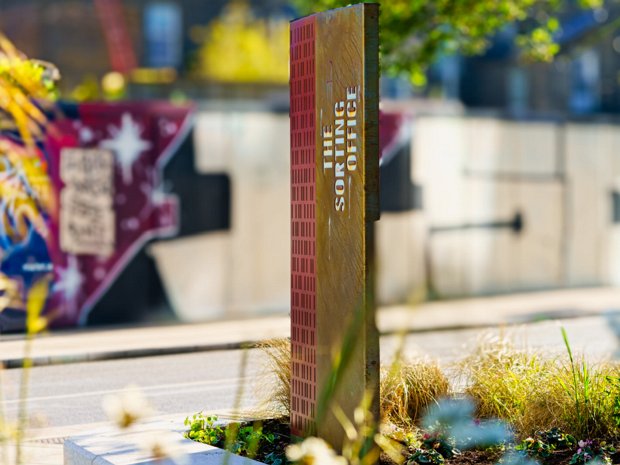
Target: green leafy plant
425,456
535,393
557,438
244,440
536,447
202,428
545,443
441,443
251,440
593,451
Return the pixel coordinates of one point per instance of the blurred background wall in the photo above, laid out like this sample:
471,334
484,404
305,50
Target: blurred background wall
498,206
497,175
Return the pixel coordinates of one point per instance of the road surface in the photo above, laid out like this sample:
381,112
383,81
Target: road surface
69,395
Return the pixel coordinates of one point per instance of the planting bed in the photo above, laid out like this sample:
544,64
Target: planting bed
529,406
266,441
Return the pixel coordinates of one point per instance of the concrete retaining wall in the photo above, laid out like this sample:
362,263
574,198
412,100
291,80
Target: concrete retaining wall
474,174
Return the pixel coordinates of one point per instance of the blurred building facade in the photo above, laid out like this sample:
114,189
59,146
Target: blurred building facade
509,192
161,34
583,80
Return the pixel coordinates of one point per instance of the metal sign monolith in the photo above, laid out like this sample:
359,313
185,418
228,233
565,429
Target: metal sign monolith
334,202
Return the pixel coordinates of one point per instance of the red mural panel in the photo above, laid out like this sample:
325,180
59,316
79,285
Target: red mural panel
94,200
303,227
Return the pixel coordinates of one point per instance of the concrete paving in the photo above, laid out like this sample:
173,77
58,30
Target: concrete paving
102,444
79,345
110,446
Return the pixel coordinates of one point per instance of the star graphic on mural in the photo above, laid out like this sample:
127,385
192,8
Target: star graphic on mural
69,279
126,144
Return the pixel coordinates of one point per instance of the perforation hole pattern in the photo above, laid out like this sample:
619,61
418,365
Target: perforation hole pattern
303,228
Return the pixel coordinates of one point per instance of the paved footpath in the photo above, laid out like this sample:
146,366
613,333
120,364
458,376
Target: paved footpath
79,345
45,447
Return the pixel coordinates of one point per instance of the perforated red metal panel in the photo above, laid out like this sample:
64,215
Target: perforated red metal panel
303,227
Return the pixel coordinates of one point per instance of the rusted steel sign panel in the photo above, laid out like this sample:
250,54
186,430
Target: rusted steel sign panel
334,202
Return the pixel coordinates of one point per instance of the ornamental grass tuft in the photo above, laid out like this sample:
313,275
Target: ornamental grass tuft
535,392
278,397
532,391
409,388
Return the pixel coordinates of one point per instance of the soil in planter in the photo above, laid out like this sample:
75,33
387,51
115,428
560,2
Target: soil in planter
268,451
470,457
275,438
492,456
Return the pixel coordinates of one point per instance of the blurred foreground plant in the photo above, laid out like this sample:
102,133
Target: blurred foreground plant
14,433
35,324
22,80
450,424
26,87
128,410
314,451
162,446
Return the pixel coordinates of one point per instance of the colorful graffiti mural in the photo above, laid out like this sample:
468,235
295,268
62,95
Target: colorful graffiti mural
27,208
75,210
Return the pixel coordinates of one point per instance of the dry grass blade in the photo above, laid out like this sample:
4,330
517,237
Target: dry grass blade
278,397
532,391
514,385
409,388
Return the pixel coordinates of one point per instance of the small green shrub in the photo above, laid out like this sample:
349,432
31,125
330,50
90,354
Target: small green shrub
558,439
536,447
593,451
204,429
545,443
441,443
245,439
424,457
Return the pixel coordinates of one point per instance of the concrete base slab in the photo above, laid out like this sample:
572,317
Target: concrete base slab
32,453
111,446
